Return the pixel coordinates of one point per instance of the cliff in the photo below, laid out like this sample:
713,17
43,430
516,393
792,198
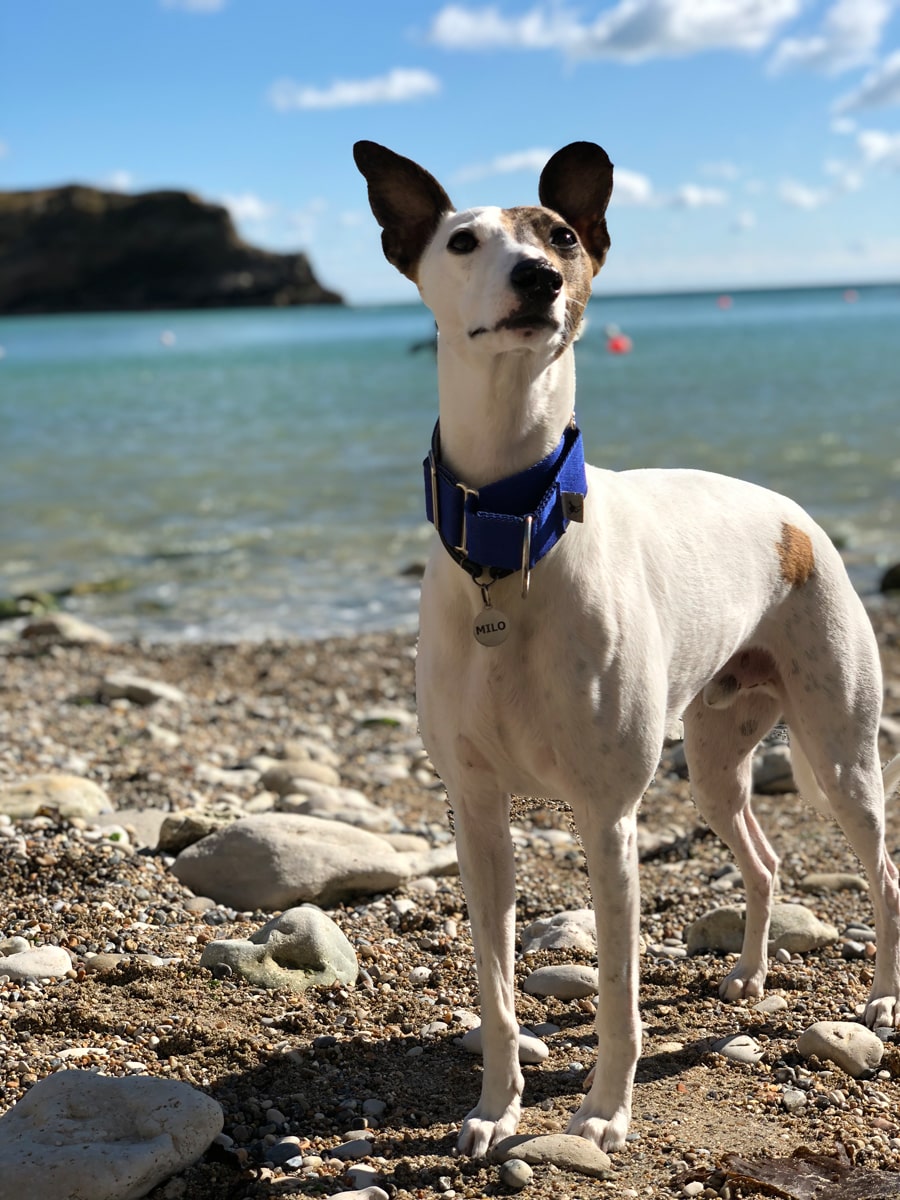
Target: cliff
80,249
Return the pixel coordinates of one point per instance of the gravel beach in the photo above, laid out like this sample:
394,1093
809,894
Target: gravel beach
375,1072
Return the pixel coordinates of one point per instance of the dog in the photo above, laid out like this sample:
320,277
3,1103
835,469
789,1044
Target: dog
569,617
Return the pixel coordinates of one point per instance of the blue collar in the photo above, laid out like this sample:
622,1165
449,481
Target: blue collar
511,524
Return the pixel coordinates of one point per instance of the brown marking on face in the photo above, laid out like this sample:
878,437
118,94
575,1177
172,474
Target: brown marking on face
795,553
534,226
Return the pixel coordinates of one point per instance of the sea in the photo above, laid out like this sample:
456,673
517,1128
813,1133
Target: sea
253,474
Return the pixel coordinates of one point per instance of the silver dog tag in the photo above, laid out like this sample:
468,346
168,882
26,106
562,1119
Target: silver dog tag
491,627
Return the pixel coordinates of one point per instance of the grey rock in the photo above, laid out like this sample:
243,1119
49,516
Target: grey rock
531,1048
563,1150
772,769
182,829
516,1174
793,1099
63,627
70,795
566,982
852,1047
289,777
83,1136
351,1151
794,929
143,824
366,1193
739,1047
573,930
300,949
278,860
122,685
771,1004
336,804
43,962
832,881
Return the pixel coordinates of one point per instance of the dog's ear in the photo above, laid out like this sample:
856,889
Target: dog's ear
577,183
406,201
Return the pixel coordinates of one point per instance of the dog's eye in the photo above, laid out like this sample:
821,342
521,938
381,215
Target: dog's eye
562,237
462,242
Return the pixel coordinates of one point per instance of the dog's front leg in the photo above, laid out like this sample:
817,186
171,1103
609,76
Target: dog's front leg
487,868
611,850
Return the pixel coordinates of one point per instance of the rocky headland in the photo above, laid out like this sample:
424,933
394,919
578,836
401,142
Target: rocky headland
81,249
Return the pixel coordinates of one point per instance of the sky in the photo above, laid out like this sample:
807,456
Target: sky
756,142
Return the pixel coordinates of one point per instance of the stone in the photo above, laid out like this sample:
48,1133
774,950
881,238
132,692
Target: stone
770,1005
516,1174
773,772
367,1193
289,777
531,1048
182,829
890,580
832,881
351,1151
83,1136
562,1150
278,860
63,627
739,1047
793,1099
123,685
300,949
573,930
336,804
794,929
143,824
69,795
43,962
852,1047
566,982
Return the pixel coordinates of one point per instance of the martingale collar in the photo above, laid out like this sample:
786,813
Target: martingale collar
509,525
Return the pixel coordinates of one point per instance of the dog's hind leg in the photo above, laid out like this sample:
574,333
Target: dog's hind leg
854,788
718,744
487,867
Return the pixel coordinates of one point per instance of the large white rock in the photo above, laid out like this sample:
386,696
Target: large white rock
279,860
70,795
300,949
573,930
793,928
79,1136
569,981
563,1150
43,962
314,799
854,1048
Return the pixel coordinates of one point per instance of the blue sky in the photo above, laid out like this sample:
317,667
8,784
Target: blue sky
756,142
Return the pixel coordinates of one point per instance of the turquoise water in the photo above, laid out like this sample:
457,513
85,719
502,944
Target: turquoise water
257,473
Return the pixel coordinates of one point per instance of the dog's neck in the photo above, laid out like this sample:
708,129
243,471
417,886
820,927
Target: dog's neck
499,415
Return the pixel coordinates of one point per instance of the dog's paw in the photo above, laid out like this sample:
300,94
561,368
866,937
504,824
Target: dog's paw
881,1011
609,1134
743,984
480,1132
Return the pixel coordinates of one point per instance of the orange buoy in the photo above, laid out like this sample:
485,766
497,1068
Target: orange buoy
724,302
617,342
851,295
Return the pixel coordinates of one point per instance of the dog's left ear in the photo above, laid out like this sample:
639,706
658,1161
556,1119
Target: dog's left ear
577,183
406,201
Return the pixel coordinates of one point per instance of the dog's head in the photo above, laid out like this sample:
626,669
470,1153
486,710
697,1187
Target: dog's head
498,279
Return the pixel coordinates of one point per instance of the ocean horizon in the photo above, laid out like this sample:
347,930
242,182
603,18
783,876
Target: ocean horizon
255,473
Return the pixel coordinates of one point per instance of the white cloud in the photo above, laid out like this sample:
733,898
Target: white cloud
304,221
879,89
631,188
846,176
744,222
692,195
878,148
198,6
248,207
506,164
120,181
631,31
850,35
843,125
798,195
397,87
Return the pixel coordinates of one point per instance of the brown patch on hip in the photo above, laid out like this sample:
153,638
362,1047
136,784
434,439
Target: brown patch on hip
796,554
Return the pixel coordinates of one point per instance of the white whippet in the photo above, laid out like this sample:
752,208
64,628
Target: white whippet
661,593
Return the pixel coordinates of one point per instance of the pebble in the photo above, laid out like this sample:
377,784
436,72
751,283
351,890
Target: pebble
75,1133
352,1150
832,881
793,928
562,1150
300,949
44,962
516,1174
572,930
367,1193
123,685
290,777
64,627
793,1099
772,769
531,1048
739,1047
69,795
852,1047
771,1004
565,982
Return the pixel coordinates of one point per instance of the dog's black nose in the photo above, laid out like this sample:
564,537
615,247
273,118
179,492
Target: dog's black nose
536,278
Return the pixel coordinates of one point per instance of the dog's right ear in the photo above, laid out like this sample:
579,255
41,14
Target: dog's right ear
577,183
406,201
